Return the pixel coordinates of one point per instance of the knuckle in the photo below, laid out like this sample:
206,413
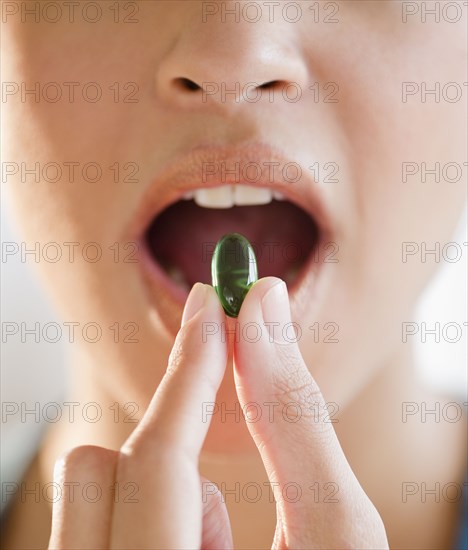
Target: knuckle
292,382
84,459
300,400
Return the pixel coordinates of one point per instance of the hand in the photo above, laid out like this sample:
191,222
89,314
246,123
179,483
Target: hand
159,460
171,511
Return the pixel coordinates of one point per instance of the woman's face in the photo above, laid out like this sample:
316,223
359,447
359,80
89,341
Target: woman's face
164,97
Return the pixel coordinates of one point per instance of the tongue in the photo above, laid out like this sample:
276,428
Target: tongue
182,238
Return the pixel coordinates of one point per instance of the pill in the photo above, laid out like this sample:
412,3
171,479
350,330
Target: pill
233,271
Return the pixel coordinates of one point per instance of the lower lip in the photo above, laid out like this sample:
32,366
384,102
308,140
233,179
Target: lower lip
159,277
168,298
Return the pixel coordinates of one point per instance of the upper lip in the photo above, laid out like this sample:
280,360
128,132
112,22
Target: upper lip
189,172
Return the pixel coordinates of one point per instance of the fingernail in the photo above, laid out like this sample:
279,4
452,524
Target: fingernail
275,305
195,301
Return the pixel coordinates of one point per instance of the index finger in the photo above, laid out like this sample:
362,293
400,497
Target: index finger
160,458
194,373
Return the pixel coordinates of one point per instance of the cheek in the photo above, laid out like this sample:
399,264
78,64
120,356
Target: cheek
77,159
82,213
407,152
376,283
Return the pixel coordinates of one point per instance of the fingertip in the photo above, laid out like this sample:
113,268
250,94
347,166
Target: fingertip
261,287
202,302
213,303
194,302
266,303
202,329
254,344
251,307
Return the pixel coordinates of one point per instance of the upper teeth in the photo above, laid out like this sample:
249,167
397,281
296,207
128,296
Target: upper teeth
227,196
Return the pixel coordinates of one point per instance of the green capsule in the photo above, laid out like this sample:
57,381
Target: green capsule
233,271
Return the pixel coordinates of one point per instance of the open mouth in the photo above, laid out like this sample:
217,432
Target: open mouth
181,238
200,195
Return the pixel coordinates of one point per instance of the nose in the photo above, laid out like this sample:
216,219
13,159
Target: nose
225,63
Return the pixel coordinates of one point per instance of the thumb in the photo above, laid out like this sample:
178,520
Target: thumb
319,501
285,411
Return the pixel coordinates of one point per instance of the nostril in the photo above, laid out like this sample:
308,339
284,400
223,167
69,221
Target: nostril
187,84
270,84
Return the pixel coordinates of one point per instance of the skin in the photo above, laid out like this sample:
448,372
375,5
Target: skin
368,294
